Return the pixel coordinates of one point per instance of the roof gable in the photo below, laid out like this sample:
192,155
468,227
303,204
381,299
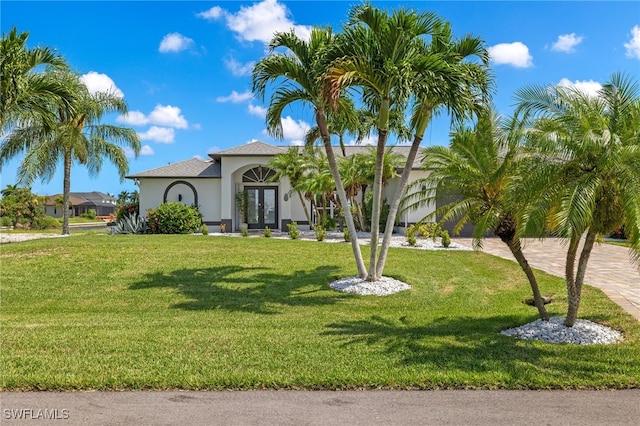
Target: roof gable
250,149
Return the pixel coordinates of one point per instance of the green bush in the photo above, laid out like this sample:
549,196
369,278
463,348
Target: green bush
384,211
91,214
346,235
244,230
6,221
174,218
130,224
205,229
321,233
127,209
45,222
410,233
446,240
293,231
267,232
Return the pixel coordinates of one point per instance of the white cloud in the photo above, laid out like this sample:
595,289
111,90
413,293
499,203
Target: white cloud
158,134
144,150
97,82
162,115
238,69
167,116
212,14
515,54
590,87
566,43
175,42
260,21
133,118
368,140
257,110
235,97
293,130
633,47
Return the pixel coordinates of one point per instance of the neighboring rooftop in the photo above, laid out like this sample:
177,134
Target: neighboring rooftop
249,149
82,198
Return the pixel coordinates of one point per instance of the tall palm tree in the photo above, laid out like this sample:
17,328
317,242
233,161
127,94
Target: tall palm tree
453,75
346,121
293,165
388,58
25,91
78,136
587,168
296,75
481,171
376,55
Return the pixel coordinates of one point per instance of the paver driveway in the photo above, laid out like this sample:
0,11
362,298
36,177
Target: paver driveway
610,267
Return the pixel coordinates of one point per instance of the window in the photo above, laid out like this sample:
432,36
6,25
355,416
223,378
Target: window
258,175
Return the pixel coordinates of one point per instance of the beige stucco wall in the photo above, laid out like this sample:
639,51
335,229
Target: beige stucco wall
208,189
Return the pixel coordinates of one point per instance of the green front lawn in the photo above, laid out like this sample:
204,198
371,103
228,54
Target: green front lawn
197,312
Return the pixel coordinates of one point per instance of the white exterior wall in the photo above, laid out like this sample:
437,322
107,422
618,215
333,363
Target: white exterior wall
152,192
411,216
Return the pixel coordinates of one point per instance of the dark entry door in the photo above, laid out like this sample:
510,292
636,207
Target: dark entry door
262,207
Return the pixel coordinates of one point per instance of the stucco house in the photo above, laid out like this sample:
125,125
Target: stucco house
80,203
212,185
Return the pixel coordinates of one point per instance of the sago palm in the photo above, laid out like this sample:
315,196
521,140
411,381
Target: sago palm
481,172
587,168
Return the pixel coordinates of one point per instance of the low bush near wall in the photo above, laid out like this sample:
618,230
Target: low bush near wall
174,218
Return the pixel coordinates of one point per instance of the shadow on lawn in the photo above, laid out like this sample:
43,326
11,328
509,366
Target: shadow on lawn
447,343
245,289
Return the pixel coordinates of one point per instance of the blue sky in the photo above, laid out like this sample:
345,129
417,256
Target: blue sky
184,67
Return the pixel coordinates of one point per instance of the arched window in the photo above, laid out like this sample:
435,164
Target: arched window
258,175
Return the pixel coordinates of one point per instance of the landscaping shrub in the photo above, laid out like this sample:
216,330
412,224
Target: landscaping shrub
446,240
321,233
410,232
346,235
127,209
174,218
293,231
267,232
130,224
91,214
205,229
244,230
45,222
6,221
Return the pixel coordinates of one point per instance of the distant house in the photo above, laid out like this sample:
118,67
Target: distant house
212,185
81,202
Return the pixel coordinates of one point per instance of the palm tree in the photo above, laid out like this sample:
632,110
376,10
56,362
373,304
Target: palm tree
387,58
78,136
296,75
25,92
292,164
587,168
481,171
346,121
376,54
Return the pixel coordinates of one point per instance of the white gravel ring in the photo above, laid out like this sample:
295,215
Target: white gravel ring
356,285
583,332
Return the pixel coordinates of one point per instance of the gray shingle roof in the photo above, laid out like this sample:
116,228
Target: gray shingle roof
364,149
191,168
251,148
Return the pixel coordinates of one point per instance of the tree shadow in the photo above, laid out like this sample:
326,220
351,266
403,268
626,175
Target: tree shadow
245,289
447,343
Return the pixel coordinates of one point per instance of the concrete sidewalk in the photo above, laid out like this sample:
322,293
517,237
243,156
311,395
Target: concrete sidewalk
324,408
609,268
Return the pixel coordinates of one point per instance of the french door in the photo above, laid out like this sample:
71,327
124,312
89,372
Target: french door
262,207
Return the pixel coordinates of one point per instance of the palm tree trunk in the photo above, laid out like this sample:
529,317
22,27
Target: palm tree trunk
570,278
66,189
516,249
342,196
304,207
574,298
376,206
395,204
